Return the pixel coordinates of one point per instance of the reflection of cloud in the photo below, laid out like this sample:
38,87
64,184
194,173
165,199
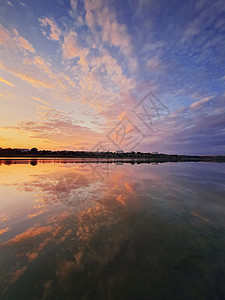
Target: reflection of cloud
40,212
200,216
73,190
17,274
99,221
86,243
29,233
65,269
3,218
4,229
122,199
128,187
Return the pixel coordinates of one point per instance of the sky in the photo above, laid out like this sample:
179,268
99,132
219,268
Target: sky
136,75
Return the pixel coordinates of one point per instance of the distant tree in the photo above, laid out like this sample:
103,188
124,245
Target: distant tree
33,150
33,162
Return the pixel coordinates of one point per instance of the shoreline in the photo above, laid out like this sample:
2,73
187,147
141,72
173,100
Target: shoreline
99,159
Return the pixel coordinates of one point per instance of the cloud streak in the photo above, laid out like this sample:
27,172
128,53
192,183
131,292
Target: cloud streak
6,82
15,41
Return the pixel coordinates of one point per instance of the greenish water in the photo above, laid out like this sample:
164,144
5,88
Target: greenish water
112,231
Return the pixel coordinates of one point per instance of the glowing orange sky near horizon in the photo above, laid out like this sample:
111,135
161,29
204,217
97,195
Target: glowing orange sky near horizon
74,73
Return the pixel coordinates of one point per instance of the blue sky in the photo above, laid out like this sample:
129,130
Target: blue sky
74,74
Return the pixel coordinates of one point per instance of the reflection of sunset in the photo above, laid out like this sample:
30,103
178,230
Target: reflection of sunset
29,233
122,199
37,213
39,228
4,230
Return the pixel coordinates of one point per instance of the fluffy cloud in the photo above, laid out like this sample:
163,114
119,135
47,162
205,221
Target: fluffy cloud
55,32
113,70
90,6
100,16
113,32
71,49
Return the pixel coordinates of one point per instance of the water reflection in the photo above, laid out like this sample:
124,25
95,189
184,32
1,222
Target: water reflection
93,231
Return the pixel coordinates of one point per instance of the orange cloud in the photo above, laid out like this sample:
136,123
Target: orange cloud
17,274
128,187
56,127
31,232
4,230
26,77
39,65
40,212
122,199
6,82
33,81
40,100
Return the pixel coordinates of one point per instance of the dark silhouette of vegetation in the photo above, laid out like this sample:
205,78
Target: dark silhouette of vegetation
33,162
134,157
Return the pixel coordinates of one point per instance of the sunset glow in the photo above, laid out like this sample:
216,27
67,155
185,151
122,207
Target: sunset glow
71,71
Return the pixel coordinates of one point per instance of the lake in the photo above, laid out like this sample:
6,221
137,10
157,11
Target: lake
81,230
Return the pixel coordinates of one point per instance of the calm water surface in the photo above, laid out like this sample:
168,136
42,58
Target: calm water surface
73,230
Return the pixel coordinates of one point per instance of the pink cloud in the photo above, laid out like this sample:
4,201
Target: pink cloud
55,31
112,31
24,44
14,41
200,102
71,49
